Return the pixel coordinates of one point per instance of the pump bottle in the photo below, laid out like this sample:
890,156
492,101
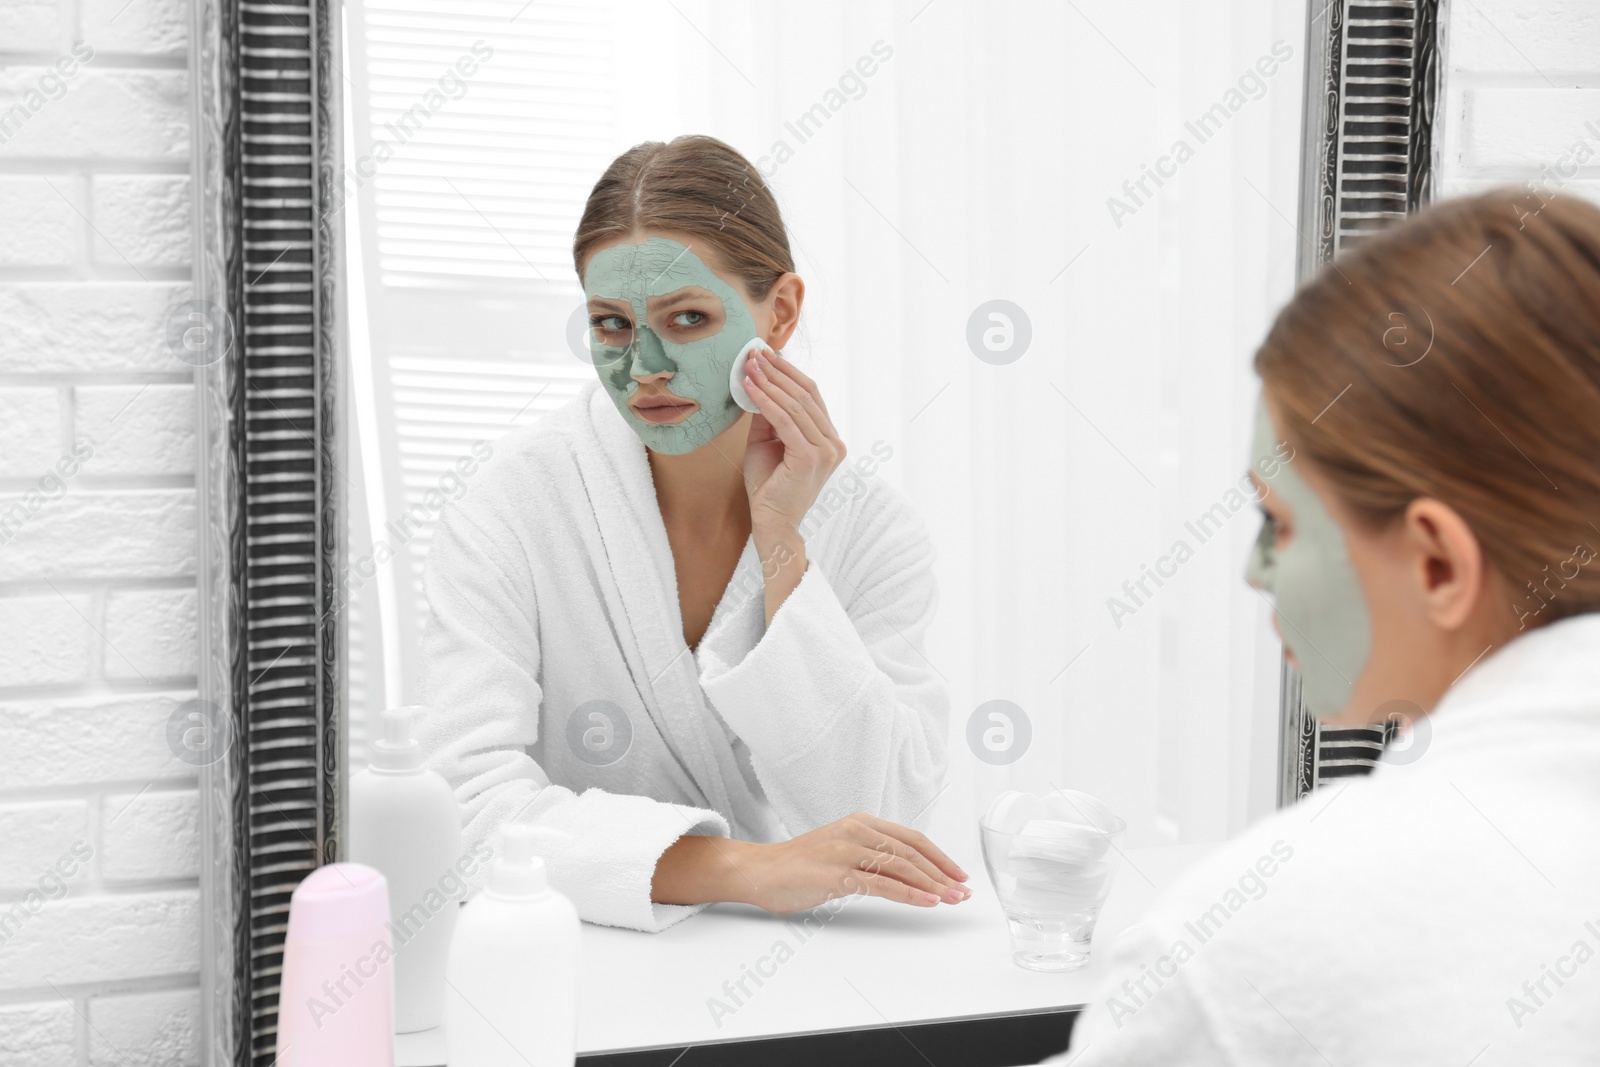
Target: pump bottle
512,998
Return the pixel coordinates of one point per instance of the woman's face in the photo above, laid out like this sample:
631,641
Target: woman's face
1379,623
1301,558
664,331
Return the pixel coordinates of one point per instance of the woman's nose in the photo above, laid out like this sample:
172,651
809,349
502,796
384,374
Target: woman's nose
647,359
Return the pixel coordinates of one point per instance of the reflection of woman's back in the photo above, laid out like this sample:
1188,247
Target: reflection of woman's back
1428,555
561,586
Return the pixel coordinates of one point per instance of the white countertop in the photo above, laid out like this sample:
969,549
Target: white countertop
869,963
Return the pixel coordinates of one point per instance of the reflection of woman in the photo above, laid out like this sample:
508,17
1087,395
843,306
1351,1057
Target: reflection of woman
675,630
1432,524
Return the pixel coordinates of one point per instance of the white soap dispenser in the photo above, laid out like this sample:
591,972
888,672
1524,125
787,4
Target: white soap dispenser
513,972
405,821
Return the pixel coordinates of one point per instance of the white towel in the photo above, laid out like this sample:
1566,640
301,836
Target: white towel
551,586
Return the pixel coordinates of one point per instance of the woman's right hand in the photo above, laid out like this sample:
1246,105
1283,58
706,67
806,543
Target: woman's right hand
859,853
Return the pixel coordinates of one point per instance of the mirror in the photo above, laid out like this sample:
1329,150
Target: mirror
1037,243
1034,264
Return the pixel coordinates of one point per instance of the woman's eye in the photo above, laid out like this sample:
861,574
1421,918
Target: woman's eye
608,323
676,319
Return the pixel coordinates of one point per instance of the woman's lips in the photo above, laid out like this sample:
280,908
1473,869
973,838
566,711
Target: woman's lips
662,408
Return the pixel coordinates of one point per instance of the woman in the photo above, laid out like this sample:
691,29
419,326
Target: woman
1429,451
673,629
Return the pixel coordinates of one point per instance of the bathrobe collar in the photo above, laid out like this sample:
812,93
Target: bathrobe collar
616,475
1539,680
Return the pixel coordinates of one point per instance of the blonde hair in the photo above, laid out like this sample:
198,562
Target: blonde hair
695,185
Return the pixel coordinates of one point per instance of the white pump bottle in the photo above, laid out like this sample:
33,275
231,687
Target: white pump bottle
513,972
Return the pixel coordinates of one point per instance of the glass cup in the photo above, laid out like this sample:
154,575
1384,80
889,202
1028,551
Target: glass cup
1052,875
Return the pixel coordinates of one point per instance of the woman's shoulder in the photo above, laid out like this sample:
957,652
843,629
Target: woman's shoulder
1273,901
550,441
1340,851
521,475
1315,847
1388,897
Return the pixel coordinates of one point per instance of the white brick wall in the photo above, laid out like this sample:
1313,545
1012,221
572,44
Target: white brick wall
23,452
1522,98
137,429
40,1035
99,858
144,1029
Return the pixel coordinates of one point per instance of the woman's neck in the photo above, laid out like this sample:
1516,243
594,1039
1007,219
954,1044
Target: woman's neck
704,490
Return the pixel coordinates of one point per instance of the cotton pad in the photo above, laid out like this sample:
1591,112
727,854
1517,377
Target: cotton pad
1059,855
736,375
1010,810
1060,842
1060,837
1049,855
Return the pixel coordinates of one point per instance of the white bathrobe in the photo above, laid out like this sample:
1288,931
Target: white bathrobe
1444,910
562,691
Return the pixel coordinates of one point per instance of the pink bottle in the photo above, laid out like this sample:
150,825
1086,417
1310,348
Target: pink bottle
336,1000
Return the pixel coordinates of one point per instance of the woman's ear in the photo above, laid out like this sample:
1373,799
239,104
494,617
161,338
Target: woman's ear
1446,560
787,294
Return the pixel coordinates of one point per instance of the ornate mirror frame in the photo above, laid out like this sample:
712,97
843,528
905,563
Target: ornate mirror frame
1368,157
267,190
268,292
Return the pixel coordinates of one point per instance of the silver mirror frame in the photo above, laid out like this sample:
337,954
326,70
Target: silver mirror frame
1369,156
266,172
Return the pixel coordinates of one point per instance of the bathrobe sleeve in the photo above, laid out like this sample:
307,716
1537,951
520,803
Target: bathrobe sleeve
479,673
838,702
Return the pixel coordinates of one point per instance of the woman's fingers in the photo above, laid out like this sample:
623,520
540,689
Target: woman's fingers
941,881
906,869
783,423
794,383
789,396
849,856
884,844
879,885
917,841
801,388
790,369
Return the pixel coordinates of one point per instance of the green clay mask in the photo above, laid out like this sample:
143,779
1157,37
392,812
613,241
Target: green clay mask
1317,595
695,340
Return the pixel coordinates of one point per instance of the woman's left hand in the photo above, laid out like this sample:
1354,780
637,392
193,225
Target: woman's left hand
792,447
